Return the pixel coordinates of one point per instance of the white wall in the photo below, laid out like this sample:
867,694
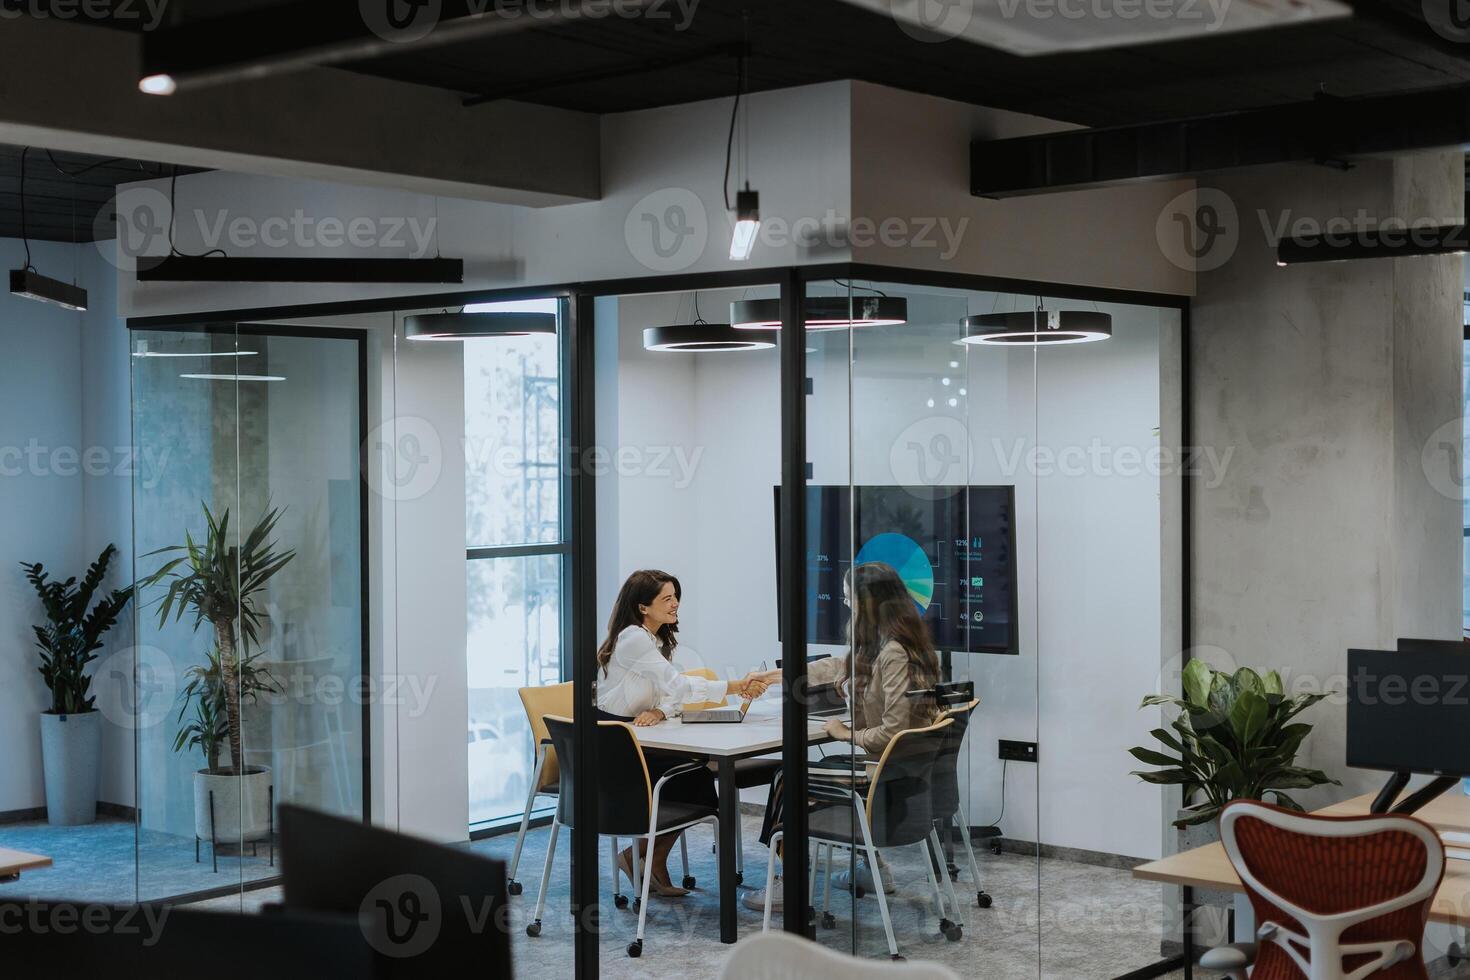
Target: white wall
40,409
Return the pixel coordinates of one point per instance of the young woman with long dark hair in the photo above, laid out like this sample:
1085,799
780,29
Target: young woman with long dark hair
891,654
638,683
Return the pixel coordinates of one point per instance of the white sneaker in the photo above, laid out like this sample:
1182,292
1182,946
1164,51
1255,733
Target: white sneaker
756,900
842,880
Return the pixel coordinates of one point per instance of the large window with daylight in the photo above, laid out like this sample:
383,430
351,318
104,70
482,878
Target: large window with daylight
515,551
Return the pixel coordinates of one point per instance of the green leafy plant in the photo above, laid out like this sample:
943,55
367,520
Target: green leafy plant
73,631
1234,740
222,582
208,729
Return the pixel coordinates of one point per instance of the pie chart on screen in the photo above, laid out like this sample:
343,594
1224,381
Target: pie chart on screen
904,554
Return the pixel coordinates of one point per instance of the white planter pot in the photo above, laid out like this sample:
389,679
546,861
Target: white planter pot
241,805
70,745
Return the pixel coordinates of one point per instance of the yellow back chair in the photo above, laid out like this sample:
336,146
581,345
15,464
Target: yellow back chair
553,699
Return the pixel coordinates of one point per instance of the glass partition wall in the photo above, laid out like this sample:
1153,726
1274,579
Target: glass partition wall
991,562
249,548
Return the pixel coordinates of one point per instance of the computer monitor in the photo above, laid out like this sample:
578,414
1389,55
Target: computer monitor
1412,645
438,907
954,548
1408,711
144,942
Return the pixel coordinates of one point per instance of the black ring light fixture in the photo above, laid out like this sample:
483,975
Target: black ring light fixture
700,337
1037,327
470,326
823,312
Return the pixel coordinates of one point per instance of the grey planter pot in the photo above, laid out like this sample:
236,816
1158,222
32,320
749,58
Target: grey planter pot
70,746
241,805
1210,918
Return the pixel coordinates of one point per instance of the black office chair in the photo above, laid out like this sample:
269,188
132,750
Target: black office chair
949,806
893,808
628,805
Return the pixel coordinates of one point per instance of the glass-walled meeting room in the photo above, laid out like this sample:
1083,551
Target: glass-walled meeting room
572,532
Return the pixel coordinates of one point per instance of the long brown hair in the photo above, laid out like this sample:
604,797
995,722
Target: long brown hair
883,611
641,588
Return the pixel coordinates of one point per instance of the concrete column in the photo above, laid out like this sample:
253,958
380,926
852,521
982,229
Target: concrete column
1333,525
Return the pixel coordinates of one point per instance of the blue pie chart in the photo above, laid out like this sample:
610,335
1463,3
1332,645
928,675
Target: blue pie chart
905,556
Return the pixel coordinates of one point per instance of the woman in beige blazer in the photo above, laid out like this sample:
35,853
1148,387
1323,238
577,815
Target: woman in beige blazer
891,654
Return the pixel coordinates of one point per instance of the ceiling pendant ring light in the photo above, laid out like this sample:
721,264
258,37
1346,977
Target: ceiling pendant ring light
823,312
701,336
1037,328
462,326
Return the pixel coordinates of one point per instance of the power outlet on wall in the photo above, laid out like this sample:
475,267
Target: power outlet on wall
1017,751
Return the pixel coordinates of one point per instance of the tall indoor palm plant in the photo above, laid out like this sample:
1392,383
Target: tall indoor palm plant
222,582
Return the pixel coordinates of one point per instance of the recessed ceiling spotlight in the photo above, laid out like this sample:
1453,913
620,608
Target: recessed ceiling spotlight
157,85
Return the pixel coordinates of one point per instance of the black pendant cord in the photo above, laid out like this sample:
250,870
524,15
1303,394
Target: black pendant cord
173,185
734,114
24,236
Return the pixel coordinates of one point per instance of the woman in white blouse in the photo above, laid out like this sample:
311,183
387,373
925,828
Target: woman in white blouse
637,682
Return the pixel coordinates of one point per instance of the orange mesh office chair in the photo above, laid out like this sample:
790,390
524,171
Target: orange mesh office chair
1336,898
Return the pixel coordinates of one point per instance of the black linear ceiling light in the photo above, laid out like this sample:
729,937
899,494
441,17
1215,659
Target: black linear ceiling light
1374,243
1037,327
471,325
30,284
200,268
823,312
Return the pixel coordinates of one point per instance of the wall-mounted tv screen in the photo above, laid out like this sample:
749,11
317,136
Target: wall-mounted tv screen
954,547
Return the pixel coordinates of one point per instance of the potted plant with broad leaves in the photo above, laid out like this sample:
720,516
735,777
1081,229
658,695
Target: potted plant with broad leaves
222,583
1233,739
71,732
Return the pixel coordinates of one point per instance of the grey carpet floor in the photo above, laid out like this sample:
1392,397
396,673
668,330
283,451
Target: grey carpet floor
1052,919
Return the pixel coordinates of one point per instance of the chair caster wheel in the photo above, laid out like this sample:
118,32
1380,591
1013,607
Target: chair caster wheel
983,900
954,874
688,881
829,921
620,901
534,929
899,958
739,879
995,849
635,948
858,891
952,931
637,903
514,887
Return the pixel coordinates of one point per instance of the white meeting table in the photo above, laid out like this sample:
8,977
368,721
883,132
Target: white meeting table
725,744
